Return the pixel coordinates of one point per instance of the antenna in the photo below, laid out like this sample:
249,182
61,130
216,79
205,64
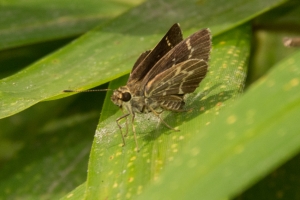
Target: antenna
97,90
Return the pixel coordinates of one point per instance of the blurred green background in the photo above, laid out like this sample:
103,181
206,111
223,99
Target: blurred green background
49,143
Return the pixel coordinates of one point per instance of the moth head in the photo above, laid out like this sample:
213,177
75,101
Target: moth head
121,95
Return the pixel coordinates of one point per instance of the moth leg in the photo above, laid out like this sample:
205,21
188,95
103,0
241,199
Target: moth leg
125,135
118,119
134,133
126,127
156,114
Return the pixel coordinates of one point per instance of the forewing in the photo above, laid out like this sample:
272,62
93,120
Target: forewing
197,46
147,60
140,59
182,78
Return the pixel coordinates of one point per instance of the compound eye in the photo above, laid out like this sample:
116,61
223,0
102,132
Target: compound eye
126,96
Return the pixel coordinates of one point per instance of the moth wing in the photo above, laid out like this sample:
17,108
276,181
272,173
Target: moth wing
180,79
171,102
197,46
140,59
147,60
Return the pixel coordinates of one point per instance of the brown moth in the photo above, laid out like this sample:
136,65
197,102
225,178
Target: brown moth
162,76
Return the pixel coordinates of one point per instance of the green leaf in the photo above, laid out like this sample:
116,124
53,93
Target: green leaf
77,193
249,139
106,53
48,147
121,173
31,21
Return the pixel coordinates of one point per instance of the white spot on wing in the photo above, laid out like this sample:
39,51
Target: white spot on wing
168,42
178,69
188,44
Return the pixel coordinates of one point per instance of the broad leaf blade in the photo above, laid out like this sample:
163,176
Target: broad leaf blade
247,141
27,22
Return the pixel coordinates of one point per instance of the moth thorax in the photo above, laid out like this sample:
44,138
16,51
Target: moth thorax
122,94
